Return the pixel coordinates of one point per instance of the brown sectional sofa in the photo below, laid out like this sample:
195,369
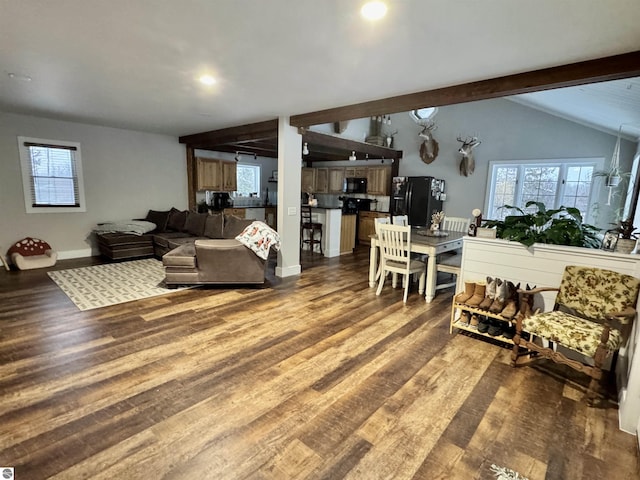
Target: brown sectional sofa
173,229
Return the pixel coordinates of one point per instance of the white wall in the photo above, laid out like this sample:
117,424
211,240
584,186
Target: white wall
508,131
126,173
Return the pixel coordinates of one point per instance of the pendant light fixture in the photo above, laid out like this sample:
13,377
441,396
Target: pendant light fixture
305,149
352,157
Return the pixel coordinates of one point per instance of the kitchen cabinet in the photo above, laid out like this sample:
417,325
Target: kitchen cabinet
322,180
336,179
366,225
209,174
308,179
348,233
229,176
378,180
216,175
359,172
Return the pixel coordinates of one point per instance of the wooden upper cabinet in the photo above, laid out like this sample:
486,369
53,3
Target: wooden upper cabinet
322,180
216,175
308,180
209,174
358,172
378,180
336,179
229,176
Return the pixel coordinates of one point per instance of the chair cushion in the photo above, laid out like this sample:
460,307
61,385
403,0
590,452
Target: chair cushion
593,292
570,331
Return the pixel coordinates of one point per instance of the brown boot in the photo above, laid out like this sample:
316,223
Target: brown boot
475,320
469,288
492,286
501,297
464,318
478,295
512,301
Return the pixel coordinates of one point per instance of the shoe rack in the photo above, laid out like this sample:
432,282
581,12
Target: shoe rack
456,314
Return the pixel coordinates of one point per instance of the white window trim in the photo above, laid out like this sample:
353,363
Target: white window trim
597,162
25,163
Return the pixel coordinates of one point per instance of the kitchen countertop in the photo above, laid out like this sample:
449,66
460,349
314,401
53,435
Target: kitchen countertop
322,207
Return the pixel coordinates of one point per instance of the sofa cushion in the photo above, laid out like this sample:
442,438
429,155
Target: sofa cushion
159,218
162,239
233,226
176,220
195,223
183,256
176,242
213,226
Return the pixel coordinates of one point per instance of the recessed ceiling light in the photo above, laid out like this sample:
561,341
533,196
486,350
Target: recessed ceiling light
207,80
18,76
373,10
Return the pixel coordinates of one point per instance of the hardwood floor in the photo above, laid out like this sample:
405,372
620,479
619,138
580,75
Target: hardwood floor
310,377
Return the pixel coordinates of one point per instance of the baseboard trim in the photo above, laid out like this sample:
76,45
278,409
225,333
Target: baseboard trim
288,271
68,254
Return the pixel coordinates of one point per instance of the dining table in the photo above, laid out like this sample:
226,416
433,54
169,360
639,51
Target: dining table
424,242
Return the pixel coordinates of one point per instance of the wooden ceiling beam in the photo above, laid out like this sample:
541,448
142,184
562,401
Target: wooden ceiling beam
243,133
599,70
331,142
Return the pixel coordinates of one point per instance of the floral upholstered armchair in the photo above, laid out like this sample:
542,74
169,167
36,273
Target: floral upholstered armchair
593,314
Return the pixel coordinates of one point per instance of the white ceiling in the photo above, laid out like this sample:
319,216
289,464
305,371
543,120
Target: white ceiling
606,106
134,63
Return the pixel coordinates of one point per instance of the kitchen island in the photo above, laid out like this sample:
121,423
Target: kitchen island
331,219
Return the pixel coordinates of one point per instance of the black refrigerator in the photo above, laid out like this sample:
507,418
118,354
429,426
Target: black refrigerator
417,197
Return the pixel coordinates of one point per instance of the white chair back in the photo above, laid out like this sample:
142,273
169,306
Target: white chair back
456,224
402,220
395,244
381,221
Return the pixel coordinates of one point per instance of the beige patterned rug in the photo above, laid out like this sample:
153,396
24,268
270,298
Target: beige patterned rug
103,285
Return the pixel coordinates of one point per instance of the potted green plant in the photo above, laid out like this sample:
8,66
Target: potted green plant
560,226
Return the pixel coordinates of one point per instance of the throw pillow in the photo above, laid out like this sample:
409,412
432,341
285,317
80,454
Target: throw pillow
233,226
260,237
213,226
195,223
176,220
159,218
28,247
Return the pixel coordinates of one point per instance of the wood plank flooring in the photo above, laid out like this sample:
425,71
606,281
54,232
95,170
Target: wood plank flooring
311,377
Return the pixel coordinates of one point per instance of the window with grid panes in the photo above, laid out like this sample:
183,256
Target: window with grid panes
554,183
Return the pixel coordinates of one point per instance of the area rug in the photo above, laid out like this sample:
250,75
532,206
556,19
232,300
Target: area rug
103,285
503,473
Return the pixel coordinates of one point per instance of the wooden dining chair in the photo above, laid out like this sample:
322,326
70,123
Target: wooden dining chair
395,254
380,221
455,224
400,220
450,262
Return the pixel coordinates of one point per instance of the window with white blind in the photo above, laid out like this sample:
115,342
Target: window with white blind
554,183
51,175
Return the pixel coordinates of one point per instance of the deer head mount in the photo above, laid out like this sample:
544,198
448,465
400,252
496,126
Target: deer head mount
467,164
429,147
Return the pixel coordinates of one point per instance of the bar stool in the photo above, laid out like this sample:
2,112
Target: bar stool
311,227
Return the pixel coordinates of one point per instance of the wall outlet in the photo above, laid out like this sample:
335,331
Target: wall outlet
291,210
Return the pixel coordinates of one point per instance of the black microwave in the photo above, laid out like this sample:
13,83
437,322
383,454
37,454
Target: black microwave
355,185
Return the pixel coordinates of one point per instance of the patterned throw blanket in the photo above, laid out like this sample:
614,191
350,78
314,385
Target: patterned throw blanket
260,237
136,227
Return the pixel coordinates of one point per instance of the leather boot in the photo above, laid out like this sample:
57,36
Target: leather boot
501,297
492,286
511,308
469,288
464,318
475,320
478,295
